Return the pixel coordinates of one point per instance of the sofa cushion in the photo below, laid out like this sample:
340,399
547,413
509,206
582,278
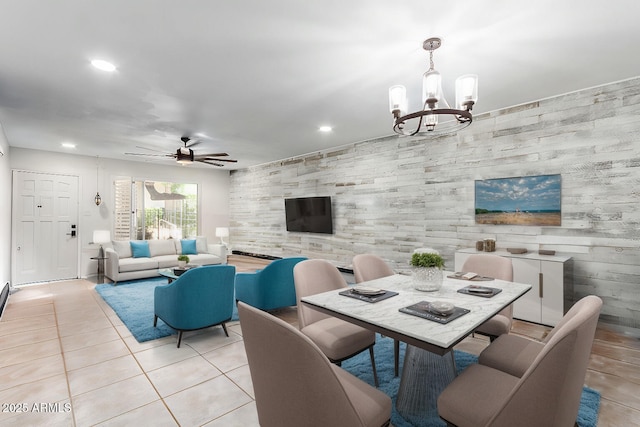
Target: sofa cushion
188,246
204,259
140,249
122,248
166,261
201,245
162,247
137,264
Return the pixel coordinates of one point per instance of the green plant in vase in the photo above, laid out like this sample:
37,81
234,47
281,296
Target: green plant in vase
183,260
427,265
427,260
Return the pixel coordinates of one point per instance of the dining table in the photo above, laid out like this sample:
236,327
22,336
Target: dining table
393,307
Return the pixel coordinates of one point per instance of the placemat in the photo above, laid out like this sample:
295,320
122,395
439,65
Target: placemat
368,298
466,290
421,309
478,278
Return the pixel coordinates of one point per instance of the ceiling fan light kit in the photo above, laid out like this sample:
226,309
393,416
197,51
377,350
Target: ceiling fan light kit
432,119
184,156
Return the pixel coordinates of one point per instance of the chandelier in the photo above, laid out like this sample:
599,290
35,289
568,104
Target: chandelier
436,115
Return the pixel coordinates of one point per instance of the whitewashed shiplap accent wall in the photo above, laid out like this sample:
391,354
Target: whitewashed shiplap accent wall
392,195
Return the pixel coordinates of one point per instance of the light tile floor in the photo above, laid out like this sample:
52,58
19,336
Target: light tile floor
64,347
66,359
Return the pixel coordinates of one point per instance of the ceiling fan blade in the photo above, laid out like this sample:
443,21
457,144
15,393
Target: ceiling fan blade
203,156
219,160
210,163
150,155
150,149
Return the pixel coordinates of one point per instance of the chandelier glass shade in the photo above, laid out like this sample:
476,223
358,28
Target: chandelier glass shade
436,116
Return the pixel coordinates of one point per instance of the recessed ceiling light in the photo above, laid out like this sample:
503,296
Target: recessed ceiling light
325,128
68,145
103,65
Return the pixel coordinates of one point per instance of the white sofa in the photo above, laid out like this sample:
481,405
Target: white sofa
121,265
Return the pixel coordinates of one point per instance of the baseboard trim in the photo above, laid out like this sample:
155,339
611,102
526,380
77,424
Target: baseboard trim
254,255
271,257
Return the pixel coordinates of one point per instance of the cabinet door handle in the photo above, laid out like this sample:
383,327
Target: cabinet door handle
540,285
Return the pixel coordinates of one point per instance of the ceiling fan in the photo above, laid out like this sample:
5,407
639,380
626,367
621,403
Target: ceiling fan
185,155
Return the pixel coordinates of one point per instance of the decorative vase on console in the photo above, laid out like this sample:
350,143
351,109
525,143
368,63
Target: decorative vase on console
426,267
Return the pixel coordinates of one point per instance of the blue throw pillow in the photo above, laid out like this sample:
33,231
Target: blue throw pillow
140,249
189,247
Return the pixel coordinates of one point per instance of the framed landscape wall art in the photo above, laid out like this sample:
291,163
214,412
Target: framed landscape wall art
528,200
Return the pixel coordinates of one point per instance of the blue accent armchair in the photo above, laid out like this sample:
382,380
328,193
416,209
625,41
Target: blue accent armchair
199,298
269,288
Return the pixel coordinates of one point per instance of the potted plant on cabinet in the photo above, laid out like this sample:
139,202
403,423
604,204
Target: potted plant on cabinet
426,266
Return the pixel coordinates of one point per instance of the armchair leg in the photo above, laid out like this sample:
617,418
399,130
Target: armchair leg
373,367
155,320
179,338
224,326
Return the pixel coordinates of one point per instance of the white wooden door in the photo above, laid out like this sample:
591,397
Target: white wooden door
45,218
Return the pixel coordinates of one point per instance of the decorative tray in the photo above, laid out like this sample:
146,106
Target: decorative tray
424,309
480,291
368,297
471,277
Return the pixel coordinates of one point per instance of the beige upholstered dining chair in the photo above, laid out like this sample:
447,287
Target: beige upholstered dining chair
499,268
370,267
514,354
296,385
339,340
543,391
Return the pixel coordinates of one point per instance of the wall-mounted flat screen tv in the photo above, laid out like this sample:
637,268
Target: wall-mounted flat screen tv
309,214
526,200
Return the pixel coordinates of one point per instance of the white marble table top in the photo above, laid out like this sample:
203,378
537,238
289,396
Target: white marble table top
384,317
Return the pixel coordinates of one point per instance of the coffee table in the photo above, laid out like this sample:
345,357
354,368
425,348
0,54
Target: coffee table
169,274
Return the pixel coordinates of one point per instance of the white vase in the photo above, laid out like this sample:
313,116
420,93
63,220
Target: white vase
182,264
427,279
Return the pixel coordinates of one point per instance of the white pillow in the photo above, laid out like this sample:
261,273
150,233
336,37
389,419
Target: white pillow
162,247
123,248
201,245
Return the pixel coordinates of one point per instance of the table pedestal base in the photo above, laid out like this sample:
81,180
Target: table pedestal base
424,376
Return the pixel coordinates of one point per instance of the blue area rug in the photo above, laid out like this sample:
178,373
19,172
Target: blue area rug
360,366
133,303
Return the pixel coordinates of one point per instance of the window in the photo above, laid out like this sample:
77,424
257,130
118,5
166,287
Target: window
146,210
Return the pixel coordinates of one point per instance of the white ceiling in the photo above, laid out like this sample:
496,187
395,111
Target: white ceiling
258,77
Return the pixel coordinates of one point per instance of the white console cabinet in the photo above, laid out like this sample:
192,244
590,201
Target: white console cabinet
551,277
